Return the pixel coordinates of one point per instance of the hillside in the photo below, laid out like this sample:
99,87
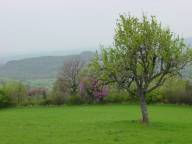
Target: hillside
45,67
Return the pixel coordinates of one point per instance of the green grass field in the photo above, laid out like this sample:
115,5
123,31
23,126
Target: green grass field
108,124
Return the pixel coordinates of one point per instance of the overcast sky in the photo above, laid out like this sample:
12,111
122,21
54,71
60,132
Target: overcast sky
37,26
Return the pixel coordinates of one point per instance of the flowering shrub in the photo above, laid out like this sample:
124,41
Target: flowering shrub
93,89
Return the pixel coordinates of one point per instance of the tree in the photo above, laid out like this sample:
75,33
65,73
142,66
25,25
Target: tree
144,55
14,91
92,90
68,77
4,100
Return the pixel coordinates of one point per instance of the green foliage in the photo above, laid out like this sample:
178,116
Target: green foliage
58,95
14,92
116,95
144,54
178,92
4,100
155,96
175,91
75,100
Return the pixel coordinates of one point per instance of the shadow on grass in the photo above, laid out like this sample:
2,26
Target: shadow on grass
136,124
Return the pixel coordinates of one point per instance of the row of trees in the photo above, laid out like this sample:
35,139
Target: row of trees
76,80
14,93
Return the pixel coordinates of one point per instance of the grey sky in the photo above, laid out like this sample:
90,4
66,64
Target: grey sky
32,26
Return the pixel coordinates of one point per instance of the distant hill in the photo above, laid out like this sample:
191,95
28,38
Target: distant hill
45,67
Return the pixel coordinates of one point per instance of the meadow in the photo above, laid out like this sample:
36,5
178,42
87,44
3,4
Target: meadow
95,124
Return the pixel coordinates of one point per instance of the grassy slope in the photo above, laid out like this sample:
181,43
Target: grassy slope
110,124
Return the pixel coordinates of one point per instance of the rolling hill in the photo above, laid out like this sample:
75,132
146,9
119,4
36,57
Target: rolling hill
42,71
45,67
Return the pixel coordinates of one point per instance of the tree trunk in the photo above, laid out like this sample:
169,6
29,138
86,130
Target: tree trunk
143,105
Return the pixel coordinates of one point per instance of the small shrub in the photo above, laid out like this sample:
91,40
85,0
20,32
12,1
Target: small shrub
74,100
59,94
179,92
4,100
14,92
93,90
117,96
56,100
154,97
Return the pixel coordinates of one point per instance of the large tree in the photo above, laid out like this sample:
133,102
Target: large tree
144,55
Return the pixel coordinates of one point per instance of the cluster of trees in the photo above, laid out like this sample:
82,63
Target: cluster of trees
13,93
74,82
143,57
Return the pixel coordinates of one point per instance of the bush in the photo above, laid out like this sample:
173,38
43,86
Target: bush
74,100
58,95
14,93
117,96
177,91
155,96
4,100
56,99
179,97
92,90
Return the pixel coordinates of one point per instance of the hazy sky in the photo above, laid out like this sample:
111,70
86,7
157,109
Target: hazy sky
32,26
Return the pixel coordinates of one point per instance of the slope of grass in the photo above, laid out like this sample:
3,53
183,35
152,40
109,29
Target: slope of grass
109,124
